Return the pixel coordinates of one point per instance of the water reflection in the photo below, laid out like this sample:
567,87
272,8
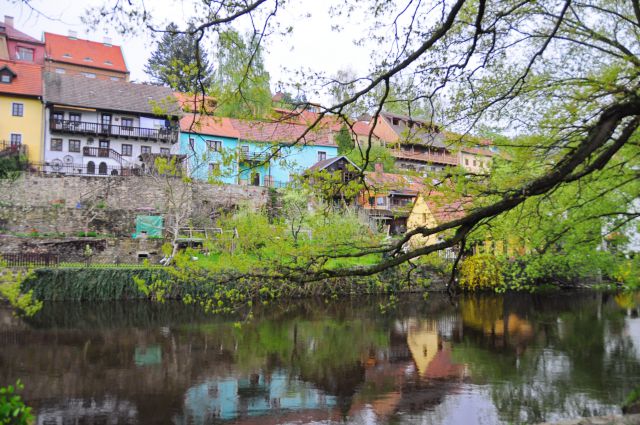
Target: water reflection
490,359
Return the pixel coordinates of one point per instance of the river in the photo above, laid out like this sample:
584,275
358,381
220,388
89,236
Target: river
480,360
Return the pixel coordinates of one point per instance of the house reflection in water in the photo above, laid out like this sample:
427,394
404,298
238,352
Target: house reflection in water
234,398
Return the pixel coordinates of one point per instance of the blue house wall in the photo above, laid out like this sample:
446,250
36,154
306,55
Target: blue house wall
290,160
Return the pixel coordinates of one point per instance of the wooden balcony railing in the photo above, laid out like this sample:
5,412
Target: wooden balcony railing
431,157
102,153
110,130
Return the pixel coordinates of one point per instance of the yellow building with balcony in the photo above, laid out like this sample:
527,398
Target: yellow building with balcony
21,109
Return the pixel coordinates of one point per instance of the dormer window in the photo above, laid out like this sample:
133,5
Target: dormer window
66,55
6,75
88,59
396,121
108,63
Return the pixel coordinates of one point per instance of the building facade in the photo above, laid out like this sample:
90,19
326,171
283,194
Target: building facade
21,109
104,127
71,55
250,152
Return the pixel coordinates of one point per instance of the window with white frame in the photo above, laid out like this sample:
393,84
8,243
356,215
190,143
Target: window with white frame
74,145
214,145
145,149
322,156
56,145
17,109
24,54
165,151
127,150
16,139
127,123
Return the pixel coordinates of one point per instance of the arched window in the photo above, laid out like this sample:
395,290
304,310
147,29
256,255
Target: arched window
102,168
91,167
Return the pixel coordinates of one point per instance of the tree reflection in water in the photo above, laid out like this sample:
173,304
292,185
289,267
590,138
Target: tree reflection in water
516,358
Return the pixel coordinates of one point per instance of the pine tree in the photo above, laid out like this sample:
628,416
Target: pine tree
175,64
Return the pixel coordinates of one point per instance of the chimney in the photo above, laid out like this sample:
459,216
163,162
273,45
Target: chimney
8,21
73,34
107,41
378,167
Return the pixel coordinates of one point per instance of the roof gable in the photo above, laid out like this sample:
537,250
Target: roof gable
321,165
26,78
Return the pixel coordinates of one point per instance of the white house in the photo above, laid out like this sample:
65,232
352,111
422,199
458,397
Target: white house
104,127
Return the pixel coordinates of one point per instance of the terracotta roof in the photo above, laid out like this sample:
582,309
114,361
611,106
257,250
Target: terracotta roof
27,80
193,102
306,117
61,48
212,126
391,182
76,90
445,210
14,34
281,132
361,128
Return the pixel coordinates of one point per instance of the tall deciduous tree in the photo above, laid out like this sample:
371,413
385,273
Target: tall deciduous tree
241,83
180,62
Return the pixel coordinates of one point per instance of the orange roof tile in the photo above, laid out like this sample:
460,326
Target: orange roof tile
394,182
28,79
61,48
281,132
361,127
213,126
191,102
306,117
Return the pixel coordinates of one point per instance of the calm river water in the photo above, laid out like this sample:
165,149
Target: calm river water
484,360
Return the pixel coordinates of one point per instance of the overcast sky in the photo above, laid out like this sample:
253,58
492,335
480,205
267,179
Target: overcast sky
312,45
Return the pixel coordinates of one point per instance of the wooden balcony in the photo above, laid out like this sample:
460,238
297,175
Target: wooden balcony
110,130
427,157
103,153
253,157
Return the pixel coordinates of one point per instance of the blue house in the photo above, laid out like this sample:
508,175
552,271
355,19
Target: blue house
251,152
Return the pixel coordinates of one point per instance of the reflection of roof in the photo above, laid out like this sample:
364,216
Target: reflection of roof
27,78
422,339
61,48
77,90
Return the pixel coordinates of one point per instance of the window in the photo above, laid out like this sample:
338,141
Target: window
474,162
91,167
127,123
74,145
466,161
16,139
214,145
380,200
17,110
108,63
127,150
66,55
322,156
115,79
6,78
56,145
102,168
145,149
60,71
165,151
24,54
89,74
58,116
396,121
75,117
88,59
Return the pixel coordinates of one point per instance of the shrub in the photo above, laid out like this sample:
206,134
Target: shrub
12,408
481,272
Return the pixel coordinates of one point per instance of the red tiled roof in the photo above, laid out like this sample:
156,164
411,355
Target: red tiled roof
281,132
57,46
28,79
14,34
306,117
394,182
445,210
361,127
191,102
213,126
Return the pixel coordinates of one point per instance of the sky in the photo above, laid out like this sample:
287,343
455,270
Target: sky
311,45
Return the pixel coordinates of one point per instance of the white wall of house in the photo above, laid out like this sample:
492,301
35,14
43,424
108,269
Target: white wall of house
71,151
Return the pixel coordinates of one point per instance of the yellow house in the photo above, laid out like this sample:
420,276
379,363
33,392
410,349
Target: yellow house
429,211
21,108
